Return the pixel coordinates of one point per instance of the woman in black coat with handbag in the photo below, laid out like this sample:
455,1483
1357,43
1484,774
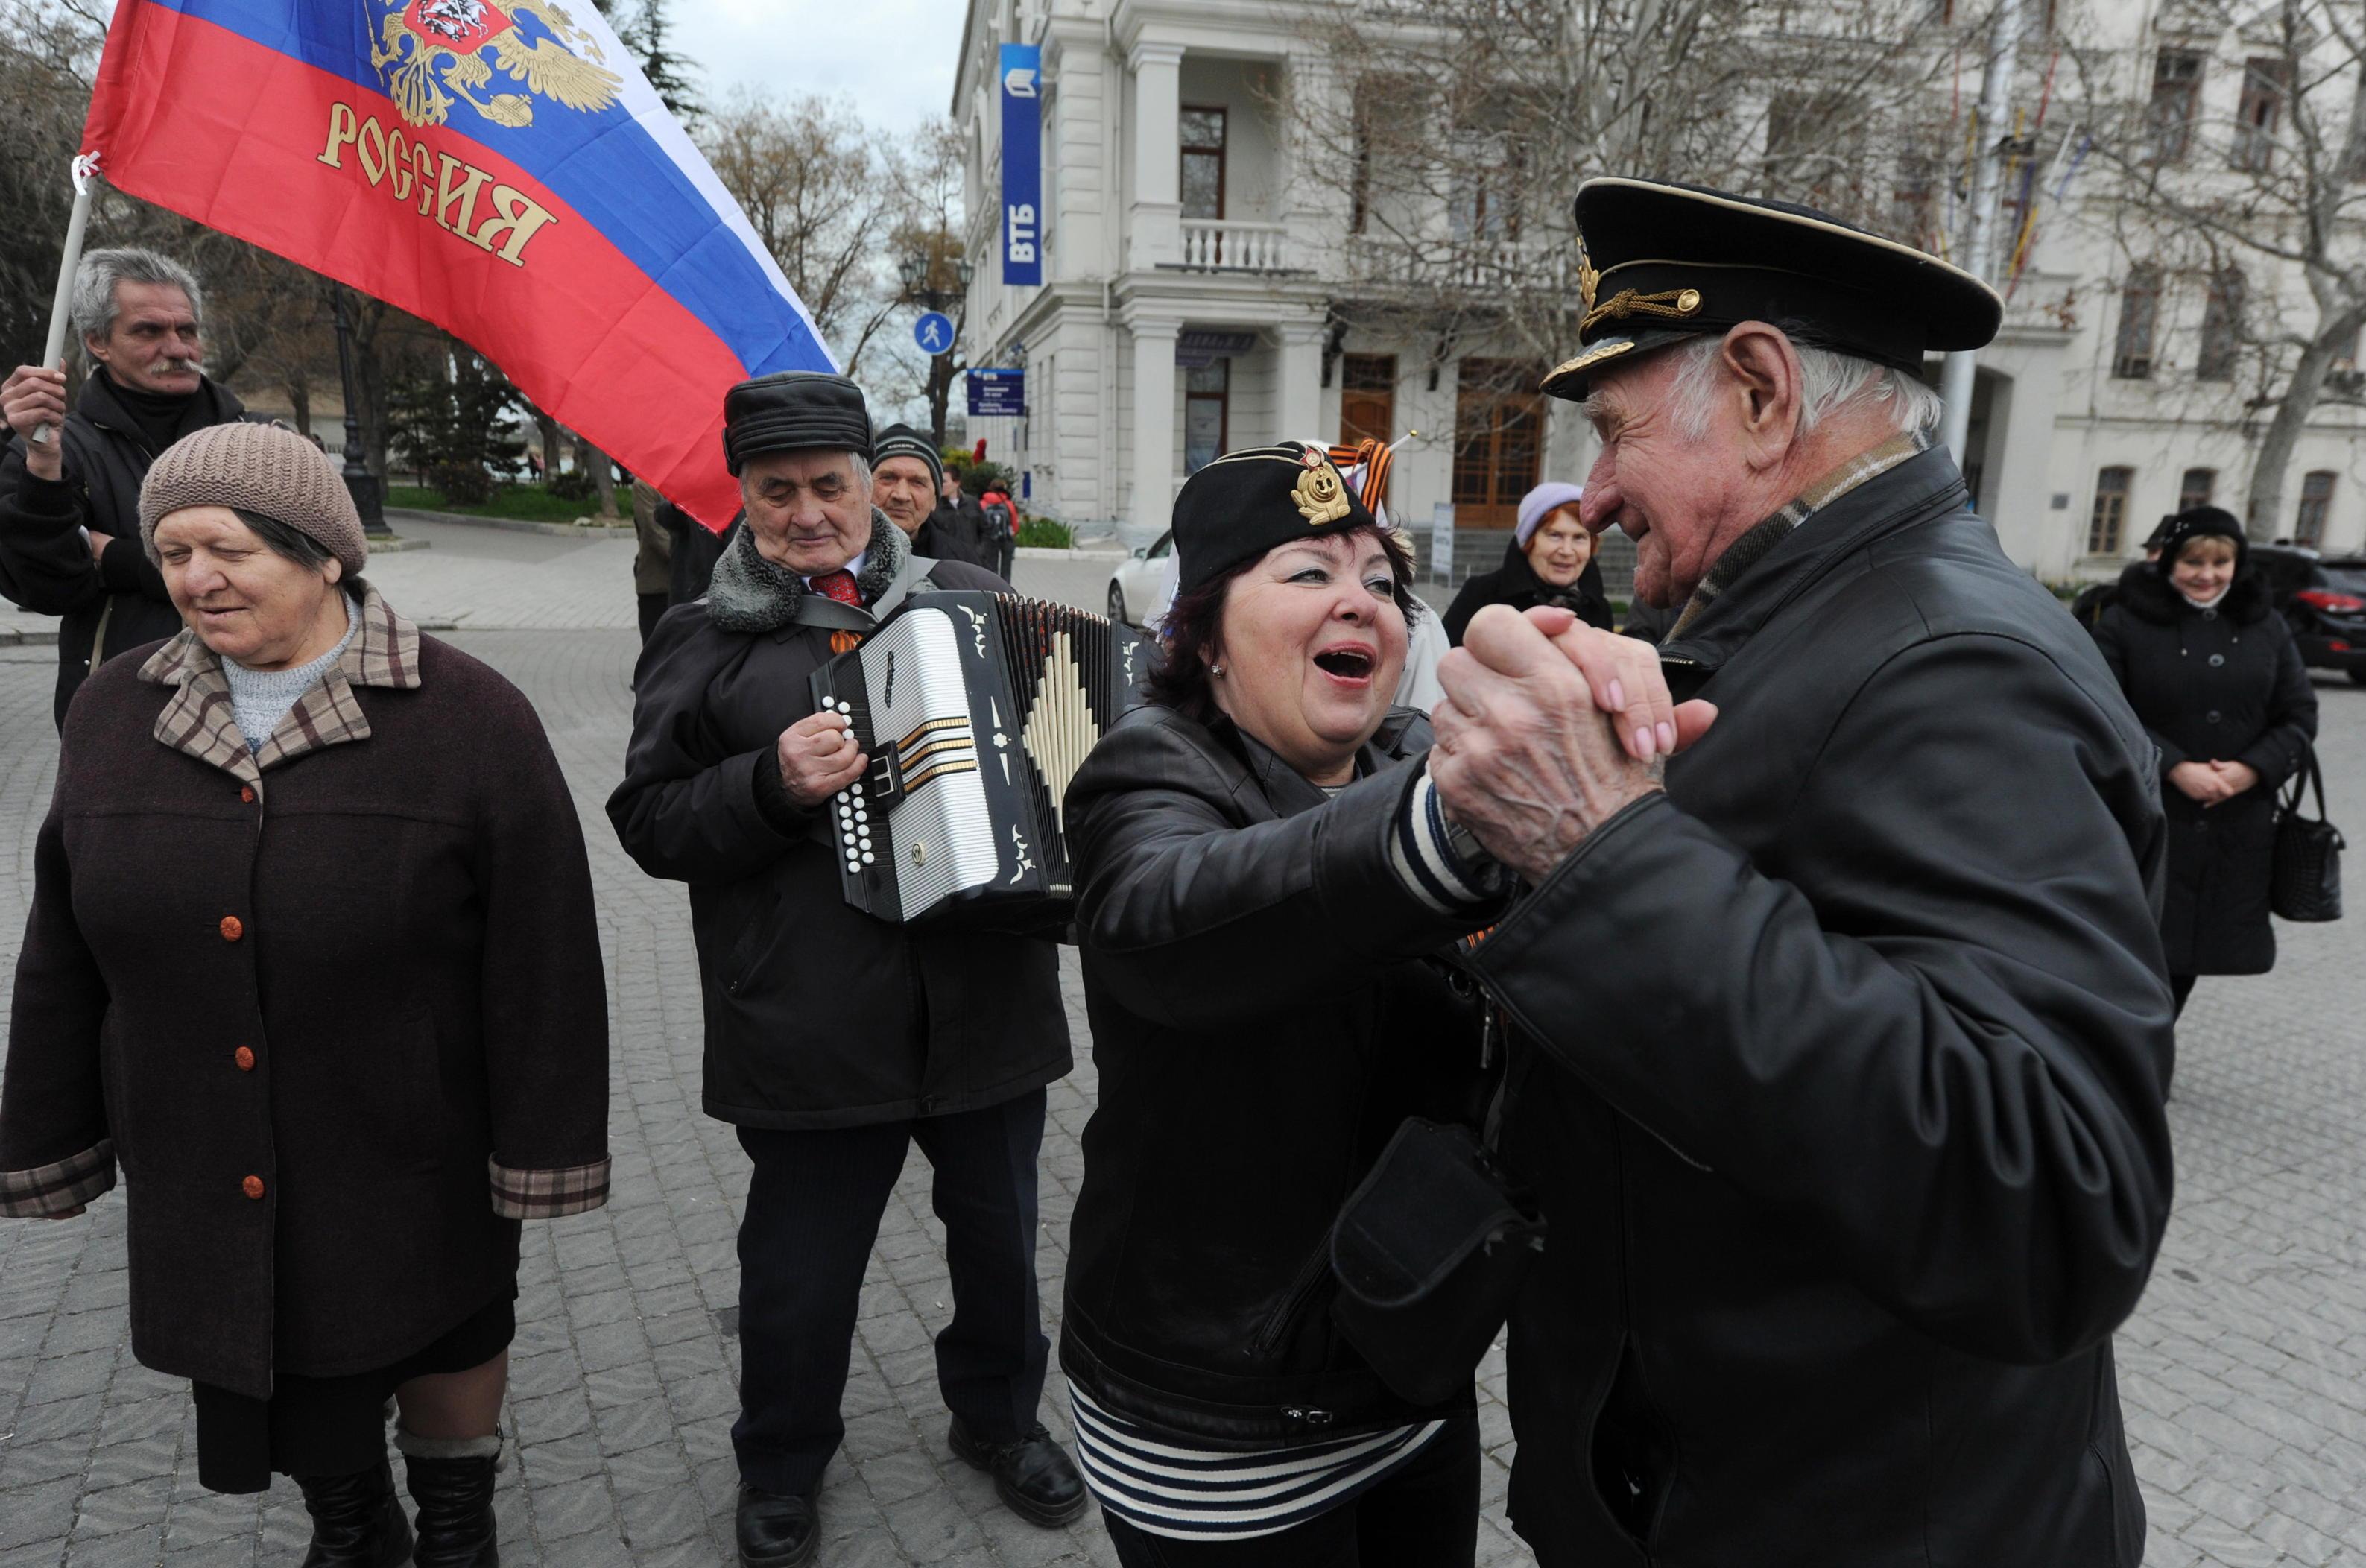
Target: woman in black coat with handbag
2213,674
1265,896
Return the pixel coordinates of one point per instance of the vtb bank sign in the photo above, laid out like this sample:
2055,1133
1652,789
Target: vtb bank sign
1022,164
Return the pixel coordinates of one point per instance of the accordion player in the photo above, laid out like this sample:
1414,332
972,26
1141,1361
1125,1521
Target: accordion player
975,709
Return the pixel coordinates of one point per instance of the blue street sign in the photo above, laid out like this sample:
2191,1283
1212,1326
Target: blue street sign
998,394
934,332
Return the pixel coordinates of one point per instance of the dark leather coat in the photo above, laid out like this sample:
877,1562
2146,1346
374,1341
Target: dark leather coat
1515,583
1843,1082
45,565
817,1015
2226,684
1265,1016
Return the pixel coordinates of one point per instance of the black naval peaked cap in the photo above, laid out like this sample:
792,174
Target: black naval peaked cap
793,411
1658,264
1245,502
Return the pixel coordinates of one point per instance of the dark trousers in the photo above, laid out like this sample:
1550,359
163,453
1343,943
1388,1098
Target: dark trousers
2181,987
652,608
813,1212
1425,1514
1005,552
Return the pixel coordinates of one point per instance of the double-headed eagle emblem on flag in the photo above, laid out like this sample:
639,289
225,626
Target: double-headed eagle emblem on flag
434,51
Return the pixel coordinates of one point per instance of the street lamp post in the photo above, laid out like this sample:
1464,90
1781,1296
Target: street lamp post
919,270
360,484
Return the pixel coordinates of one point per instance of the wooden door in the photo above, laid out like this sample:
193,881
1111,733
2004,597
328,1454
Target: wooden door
1499,423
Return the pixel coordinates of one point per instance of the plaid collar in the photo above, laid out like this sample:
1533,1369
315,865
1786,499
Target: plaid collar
199,719
1760,541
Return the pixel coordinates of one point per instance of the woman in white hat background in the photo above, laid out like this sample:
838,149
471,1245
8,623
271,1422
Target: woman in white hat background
1549,561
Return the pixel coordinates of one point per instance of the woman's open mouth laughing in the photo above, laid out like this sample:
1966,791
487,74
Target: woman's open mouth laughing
1351,663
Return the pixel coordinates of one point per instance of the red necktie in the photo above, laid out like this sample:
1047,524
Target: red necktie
839,585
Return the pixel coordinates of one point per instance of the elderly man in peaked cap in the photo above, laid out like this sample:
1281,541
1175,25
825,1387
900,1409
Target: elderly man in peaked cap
835,1041
1857,1156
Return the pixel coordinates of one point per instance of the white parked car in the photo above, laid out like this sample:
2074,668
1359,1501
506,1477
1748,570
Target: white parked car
1142,583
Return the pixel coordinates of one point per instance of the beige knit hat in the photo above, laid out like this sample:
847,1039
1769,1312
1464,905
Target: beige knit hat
261,468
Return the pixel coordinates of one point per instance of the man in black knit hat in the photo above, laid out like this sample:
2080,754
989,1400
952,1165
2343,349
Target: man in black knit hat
835,1041
906,475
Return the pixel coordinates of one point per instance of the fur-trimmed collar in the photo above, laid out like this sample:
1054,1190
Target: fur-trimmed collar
749,594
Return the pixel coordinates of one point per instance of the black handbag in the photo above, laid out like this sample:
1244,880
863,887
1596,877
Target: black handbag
2305,876
1429,1252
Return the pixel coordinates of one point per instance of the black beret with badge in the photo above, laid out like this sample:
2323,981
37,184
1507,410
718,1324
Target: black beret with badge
1660,264
795,410
1245,502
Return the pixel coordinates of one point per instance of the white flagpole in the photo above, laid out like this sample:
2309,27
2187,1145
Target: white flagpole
60,308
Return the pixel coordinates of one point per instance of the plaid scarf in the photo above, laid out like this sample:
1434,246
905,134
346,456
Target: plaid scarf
201,720
1759,543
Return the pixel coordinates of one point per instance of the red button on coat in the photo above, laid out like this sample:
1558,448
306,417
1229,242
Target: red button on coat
232,927
245,1058
246,793
252,1187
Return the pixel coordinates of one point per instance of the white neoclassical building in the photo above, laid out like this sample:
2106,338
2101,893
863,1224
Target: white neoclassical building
1190,272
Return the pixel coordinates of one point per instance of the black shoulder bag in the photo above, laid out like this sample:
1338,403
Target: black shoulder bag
2304,878
1429,1252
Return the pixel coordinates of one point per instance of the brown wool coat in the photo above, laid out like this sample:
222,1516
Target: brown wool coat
336,1010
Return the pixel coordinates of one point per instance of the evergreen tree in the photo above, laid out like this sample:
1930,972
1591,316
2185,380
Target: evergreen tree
646,31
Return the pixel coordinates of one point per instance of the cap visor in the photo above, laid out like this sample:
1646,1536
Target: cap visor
1574,380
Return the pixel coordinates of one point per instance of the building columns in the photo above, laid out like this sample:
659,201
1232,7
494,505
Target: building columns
1154,422
1298,388
1158,216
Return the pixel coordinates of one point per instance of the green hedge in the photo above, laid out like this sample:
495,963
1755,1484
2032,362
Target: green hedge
1042,533
523,503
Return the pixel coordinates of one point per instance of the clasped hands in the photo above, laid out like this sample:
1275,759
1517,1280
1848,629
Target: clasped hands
2213,784
1550,729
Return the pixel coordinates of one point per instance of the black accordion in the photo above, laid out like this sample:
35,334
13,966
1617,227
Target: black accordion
975,710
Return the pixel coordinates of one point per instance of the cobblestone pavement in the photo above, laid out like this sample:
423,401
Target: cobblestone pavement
2244,1372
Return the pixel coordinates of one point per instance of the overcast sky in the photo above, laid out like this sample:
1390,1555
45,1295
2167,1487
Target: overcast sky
893,58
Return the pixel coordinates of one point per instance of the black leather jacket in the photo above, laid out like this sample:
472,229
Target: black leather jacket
1845,1079
1265,1016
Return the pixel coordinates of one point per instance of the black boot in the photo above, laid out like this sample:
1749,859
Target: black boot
1032,1475
452,1481
356,1520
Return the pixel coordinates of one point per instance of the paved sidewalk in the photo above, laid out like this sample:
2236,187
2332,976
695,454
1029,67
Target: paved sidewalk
2244,1372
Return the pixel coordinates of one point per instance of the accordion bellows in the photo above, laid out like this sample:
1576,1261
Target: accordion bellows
976,711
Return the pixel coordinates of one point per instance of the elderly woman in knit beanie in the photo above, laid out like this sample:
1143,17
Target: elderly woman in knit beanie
311,962
1549,561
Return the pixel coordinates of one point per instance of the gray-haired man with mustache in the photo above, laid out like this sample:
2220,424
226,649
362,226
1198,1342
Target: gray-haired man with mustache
70,505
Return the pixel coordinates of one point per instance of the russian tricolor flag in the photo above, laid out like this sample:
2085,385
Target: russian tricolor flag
502,170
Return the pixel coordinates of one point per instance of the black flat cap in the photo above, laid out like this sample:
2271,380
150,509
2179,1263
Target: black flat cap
1245,502
903,441
792,411
1660,264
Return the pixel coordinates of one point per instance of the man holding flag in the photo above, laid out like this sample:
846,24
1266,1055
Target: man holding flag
70,502
503,170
